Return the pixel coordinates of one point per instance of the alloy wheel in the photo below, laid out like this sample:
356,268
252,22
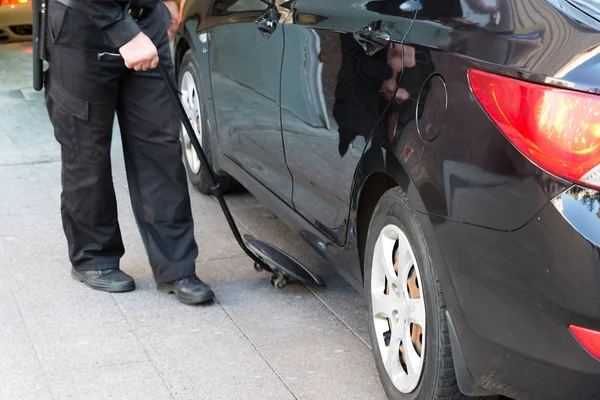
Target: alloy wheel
398,308
191,103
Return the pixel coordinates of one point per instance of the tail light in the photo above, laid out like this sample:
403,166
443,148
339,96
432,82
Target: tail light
557,129
13,2
590,340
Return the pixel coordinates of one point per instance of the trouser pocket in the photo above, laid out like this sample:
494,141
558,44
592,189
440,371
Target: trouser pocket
84,129
81,126
70,116
57,18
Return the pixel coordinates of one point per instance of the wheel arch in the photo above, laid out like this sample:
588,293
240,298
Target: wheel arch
375,176
371,190
375,182
189,40
181,47
371,182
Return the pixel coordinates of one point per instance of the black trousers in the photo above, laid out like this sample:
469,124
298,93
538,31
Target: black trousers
82,97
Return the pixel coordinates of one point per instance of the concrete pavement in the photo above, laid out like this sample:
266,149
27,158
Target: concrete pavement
61,340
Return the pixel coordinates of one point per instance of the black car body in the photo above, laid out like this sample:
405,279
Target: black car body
320,107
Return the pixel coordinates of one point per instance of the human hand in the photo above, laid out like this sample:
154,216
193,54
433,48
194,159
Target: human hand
409,60
401,56
140,53
389,87
389,90
174,12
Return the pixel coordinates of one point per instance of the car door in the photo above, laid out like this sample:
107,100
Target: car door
246,49
341,65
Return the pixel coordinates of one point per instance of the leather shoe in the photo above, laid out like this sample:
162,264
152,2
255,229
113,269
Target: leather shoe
190,290
106,280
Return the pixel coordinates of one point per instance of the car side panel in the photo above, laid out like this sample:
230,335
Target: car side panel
245,71
469,172
485,206
333,93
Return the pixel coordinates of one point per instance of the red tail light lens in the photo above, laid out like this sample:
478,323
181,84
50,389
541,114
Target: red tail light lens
590,340
13,2
557,129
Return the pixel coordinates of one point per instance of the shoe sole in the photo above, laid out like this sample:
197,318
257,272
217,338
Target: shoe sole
186,300
128,287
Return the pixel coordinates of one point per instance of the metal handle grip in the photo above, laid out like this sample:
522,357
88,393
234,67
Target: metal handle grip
109,56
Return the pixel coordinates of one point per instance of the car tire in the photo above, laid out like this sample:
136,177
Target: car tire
406,287
190,87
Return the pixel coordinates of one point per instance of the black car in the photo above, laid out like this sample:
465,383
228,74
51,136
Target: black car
442,155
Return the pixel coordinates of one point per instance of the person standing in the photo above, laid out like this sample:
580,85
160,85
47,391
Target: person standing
82,96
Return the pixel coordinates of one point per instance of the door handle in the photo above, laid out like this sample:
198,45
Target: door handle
267,23
373,37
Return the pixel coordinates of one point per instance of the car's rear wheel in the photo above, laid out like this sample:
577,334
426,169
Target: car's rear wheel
194,103
405,307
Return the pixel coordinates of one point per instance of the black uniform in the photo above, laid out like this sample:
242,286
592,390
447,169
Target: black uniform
82,96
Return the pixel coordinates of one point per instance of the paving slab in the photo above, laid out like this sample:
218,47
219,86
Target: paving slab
28,130
32,248
10,153
266,314
150,312
214,364
23,192
21,375
218,245
135,381
347,305
15,59
333,367
74,327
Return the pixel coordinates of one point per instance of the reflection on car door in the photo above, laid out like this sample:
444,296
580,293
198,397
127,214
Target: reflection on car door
246,50
339,73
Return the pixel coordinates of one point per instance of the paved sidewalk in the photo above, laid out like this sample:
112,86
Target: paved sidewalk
60,340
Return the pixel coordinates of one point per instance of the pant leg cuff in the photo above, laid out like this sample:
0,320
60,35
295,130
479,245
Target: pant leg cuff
98,266
175,273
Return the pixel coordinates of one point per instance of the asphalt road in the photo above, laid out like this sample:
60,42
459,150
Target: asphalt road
61,340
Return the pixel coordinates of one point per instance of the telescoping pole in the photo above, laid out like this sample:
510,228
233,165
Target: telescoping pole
39,16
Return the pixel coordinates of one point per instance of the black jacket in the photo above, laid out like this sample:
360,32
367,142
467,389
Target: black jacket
113,17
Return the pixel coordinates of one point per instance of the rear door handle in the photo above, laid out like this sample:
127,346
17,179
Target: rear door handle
373,37
267,23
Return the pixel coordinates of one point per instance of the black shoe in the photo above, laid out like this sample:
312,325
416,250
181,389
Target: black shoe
106,280
190,290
